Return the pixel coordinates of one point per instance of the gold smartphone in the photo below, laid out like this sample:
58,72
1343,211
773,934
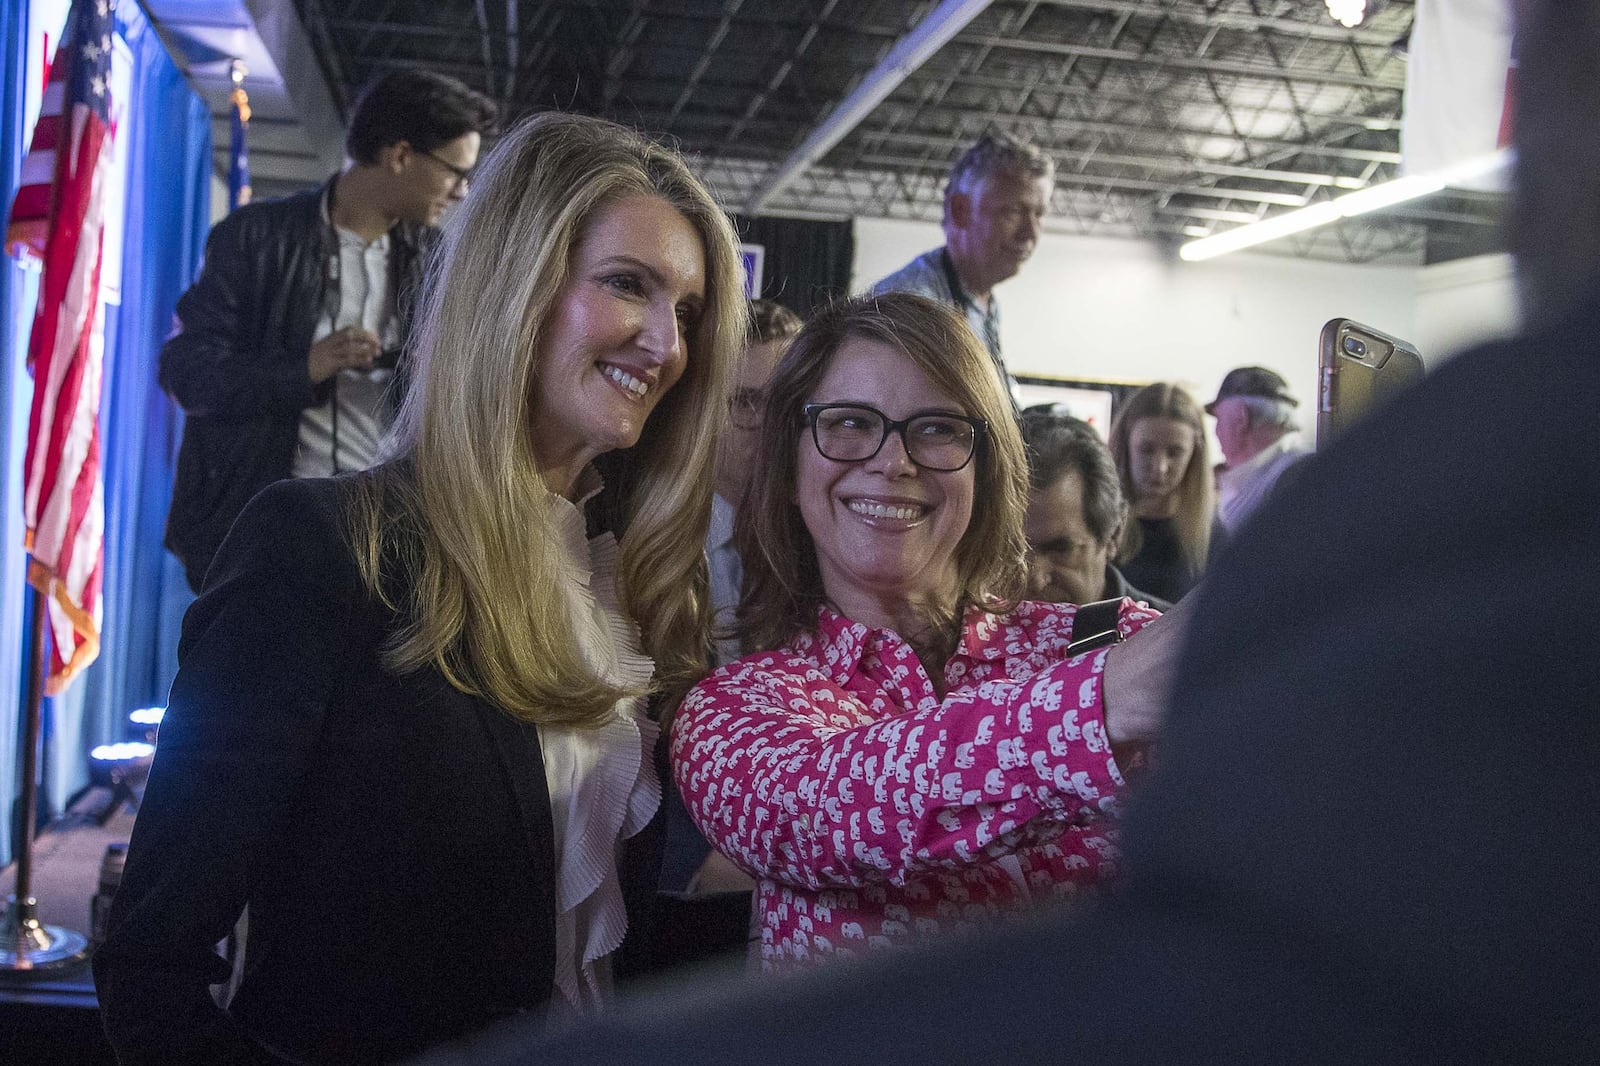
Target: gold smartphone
1359,369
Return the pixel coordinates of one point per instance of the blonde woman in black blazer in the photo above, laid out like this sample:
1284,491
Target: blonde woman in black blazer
402,693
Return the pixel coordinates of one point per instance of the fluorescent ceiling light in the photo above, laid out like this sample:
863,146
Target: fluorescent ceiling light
1397,191
1375,198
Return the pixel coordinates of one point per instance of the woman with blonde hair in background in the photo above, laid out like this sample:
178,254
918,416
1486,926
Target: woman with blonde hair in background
408,727
1158,441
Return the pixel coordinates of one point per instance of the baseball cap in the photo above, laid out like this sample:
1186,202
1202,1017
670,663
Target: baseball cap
1253,381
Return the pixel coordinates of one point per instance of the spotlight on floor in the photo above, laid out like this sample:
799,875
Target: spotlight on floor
123,761
123,768
143,723
147,716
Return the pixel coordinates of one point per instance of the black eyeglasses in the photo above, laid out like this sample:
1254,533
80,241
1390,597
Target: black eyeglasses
745,408
851,432
463,174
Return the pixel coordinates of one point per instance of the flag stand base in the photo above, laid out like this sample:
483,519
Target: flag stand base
27,947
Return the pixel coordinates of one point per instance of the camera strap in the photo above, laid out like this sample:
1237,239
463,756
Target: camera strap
1095,626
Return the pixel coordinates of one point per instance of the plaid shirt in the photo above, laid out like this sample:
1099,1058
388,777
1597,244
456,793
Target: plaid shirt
933,275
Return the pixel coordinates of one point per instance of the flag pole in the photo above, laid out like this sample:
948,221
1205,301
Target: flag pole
28,947
63,454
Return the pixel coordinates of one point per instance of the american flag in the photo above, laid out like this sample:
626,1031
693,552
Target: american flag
62,497
238,155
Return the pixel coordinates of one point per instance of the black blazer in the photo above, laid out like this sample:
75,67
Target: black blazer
391,836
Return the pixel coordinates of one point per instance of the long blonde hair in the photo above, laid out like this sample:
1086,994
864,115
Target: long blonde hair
455,534
783,585
1196,494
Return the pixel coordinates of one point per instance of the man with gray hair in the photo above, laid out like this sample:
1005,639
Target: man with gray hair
1260,439
997,193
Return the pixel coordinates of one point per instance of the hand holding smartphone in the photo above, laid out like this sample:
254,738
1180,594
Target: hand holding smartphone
1359,369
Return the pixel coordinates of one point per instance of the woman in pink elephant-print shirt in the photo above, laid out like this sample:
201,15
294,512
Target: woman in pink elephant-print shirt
922,753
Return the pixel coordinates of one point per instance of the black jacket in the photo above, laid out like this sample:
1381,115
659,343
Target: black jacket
237,366
391,836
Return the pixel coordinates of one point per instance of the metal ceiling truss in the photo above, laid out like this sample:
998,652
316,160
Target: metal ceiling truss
1166,118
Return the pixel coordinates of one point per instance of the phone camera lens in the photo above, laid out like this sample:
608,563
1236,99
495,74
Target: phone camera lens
1355,346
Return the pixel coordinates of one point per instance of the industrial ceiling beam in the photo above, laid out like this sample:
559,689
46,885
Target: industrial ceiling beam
1174,62
297,121
1067,158
1104,94
1066,127
733,90
754,19
487,42
779,76
1076,178
730,8
1227,20
908,53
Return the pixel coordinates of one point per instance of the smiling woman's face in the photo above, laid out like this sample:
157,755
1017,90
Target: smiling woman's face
617,336
885,529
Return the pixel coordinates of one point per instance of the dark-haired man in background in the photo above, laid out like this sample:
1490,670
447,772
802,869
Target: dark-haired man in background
1075,514
288,342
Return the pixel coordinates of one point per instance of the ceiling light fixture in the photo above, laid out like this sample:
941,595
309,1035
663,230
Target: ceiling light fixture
1348,13
1375,198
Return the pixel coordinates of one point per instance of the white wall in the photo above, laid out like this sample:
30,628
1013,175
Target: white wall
219,198
1464,302
1124,310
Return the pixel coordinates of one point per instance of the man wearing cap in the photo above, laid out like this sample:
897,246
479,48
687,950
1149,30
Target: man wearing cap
1259,436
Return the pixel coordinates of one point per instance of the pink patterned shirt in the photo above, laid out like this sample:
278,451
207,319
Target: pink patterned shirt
873,813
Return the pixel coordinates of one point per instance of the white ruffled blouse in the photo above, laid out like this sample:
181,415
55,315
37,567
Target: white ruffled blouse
603,784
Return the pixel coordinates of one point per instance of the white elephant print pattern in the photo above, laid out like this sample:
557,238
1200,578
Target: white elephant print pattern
874,814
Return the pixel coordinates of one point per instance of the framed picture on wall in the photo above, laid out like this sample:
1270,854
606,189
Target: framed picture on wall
1096,402
753,257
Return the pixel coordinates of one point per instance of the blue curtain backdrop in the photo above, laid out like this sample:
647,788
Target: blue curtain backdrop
16,290
167,218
